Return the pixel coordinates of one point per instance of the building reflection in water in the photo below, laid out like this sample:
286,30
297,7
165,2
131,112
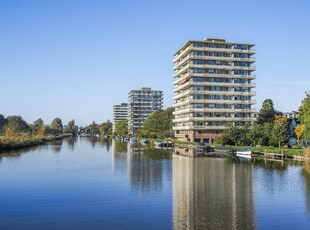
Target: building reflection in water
212,194
119,156
146,168
145,172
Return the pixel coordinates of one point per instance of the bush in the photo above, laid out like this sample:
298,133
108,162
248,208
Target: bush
307,152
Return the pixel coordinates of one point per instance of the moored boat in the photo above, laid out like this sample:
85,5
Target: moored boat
244,151
144,142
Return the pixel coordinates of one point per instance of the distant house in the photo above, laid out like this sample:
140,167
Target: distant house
292,123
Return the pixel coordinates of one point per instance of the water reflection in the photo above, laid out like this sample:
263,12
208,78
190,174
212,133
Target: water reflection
71,141
119,156
212,194
146,168
56,146
306,174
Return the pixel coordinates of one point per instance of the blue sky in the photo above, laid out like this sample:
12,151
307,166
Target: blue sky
76,59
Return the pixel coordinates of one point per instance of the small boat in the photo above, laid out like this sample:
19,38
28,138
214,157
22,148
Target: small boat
163,144
244,157
144,142
244,151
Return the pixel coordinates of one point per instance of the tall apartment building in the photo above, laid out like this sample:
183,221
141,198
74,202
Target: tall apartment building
212,85
141,104
120,113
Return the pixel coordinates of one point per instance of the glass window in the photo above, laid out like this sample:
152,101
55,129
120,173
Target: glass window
198,79
198,70
198,105
198,44
198,53
198,87
198,96
211,71
198,62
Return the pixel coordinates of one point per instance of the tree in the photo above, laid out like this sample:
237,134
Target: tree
37,124
158,124
231,134
16,124
57,126
266,113
71,128
93,128
304,115
278,136
121,128
2,123
299,130
106,127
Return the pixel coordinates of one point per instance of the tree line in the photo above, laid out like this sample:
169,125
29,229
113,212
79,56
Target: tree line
12,125
270,128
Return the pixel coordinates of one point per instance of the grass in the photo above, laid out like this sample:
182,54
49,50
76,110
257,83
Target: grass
270,149
17,141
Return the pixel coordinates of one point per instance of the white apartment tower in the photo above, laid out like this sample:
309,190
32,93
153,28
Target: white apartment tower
141,104
120,113
213,85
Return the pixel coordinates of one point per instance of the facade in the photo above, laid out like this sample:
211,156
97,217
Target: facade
141,104
290,115
213,85
120,113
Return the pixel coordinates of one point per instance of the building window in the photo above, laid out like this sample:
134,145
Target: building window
198,44
198,96
198,53
198,105
198,79
198,62
198,70
198,88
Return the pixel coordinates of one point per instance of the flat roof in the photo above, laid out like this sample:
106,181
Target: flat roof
213,40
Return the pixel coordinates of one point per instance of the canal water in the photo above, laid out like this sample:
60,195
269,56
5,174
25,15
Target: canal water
86,183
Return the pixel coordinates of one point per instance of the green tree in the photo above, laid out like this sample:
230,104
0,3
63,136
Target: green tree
304,115
299,130
16,124
266,130
72,128
254,134
2,123
232,134
37,124
121,128
266,113
278,136
57,126
159,124
106,127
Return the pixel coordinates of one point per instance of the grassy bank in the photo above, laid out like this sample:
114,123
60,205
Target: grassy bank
26,140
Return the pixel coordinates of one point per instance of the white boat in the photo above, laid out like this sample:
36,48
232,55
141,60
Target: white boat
144,142
244,157
244,152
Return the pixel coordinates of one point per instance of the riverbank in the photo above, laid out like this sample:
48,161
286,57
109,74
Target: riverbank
27,140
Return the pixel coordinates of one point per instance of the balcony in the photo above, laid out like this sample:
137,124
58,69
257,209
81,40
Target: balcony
192,127
208,119
232,93
211,110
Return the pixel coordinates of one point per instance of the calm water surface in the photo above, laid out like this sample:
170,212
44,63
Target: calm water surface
86,183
